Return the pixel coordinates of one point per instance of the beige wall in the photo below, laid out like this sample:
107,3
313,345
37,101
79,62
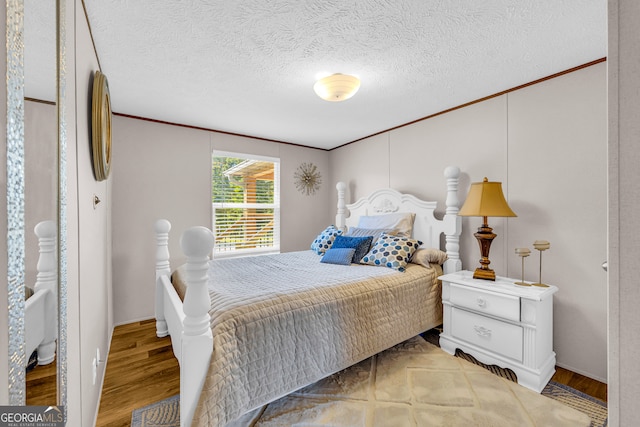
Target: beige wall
413,158
547,145
557,169
41,172
88,238
164,171
158,171
624,205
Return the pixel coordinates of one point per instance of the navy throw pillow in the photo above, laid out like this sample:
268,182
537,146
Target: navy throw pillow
360,244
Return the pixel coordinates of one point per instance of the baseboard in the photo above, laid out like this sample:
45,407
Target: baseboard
581,372
132,321
103,375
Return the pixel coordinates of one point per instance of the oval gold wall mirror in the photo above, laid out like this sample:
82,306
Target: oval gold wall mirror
101,126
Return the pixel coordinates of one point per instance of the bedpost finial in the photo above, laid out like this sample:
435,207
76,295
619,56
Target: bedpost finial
45,229
162,226
341,186
197,242
451,172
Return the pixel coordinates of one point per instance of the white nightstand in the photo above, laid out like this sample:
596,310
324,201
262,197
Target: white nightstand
500,323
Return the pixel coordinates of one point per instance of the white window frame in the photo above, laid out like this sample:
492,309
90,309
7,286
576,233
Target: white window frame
275,248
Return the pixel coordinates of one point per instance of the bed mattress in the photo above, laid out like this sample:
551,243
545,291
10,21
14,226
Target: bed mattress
281,322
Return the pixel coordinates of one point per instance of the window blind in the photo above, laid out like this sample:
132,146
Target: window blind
245,194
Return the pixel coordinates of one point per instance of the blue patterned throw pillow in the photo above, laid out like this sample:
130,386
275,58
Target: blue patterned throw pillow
342,256
391,251
360,244
325,239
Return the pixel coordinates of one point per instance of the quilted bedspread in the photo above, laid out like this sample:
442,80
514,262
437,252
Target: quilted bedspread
281,322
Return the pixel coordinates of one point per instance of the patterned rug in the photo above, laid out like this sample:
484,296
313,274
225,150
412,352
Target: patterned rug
412,384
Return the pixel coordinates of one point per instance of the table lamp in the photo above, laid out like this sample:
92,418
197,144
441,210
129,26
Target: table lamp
485,199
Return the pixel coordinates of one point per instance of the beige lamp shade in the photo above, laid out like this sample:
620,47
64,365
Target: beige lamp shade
486,199
337,87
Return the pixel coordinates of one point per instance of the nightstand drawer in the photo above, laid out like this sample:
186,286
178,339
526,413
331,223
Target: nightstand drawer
499,337
494,304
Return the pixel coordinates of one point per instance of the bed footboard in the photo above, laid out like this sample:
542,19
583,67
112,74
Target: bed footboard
39,324
188,323
197,338
41,310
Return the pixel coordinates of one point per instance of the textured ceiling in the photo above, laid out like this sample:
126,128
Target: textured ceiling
249,66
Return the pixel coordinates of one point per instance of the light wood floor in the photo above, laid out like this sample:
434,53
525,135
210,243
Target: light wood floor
141,370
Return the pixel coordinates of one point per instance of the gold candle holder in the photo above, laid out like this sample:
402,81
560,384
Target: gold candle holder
541,246
523,253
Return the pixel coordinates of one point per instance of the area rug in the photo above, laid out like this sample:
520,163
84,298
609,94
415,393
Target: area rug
412,384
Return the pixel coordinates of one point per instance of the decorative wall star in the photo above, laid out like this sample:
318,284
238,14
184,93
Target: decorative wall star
307,178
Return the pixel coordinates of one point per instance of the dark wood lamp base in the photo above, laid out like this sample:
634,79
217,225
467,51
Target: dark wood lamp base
485,236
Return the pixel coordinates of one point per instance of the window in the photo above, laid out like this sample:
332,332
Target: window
245,195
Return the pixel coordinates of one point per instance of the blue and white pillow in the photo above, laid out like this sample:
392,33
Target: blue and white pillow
325,239
361,245
391,251
341,256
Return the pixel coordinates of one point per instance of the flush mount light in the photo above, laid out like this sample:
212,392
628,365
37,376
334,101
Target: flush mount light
337,87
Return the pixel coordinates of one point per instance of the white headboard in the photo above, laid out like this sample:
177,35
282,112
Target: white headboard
426,227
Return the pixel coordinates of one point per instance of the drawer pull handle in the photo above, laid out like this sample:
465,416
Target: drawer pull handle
481,302
482,331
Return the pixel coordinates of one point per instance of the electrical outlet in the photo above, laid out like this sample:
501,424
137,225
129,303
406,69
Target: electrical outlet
98,355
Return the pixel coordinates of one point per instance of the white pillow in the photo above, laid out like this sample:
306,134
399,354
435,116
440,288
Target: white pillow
401,222
374,232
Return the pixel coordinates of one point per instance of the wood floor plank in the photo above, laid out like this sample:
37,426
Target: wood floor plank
141,370
41,385
581,383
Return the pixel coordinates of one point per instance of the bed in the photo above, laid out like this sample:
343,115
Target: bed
247,331
41,305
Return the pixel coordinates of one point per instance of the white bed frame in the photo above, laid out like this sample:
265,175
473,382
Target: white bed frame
41,309
188,323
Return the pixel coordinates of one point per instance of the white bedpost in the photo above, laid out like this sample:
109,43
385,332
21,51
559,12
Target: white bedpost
342,207
47,266
197,338
163,268
453,223
46,281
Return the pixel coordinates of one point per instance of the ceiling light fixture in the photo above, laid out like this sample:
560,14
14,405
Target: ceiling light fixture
337,87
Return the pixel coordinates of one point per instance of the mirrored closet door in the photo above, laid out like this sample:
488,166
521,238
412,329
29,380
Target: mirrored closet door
34,145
